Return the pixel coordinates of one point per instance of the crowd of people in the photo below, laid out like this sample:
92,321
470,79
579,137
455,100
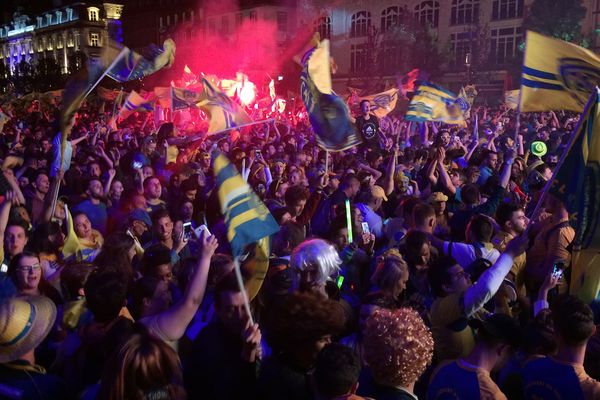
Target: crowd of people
411,266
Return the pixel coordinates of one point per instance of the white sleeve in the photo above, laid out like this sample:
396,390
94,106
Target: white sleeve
487,285
463,253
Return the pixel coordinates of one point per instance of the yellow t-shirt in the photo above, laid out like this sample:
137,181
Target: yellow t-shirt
452,335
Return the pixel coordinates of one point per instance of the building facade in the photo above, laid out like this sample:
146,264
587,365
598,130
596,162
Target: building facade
59,34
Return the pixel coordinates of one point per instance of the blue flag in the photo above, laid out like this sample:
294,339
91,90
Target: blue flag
246,217
327,112
136,66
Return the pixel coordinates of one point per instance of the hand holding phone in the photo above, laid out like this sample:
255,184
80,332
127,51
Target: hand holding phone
187,231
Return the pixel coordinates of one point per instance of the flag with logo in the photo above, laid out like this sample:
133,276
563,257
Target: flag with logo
577,184
134,102
136,66
223,112
382,103
557,75
434,103
328,114
189,78
466,97
511,99
247,219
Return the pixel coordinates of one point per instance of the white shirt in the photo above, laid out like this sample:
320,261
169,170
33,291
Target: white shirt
465,254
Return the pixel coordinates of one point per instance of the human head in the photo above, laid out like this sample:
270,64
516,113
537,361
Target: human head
163,224
16,237
152,188
314,262
156,262
573,321
302,324
105,295
289,236
25,271
229,305
365,107
391,275
479,229
82,225
511,218
417,250
151,296
470,194
24,324
423,217
145,367
491,160
139,221
376,197
73,278
497,335
398,347
350,185
41,183
438,202
336,371
447,277
94,189
116,189
295,199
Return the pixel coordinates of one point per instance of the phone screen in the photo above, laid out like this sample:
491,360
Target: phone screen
187,230
557,272
365,228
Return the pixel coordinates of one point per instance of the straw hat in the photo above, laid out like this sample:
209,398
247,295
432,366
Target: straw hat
24,323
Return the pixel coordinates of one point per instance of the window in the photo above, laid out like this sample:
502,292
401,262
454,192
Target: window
507,9
69,14
282,21
160,22
390,17
175,19
94,39
238,19
192,15
168,20
224,24
324,27
183,16
59,17
358,58
252,15
391,57
360,24
49,19
212,26
59,42
40,45
464,12
40,22
70,42
428,12
93,13
50,44
503,44
460,45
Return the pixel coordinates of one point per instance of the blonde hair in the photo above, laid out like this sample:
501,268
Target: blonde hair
389,272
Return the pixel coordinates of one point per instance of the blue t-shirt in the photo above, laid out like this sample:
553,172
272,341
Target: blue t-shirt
96,213
455,380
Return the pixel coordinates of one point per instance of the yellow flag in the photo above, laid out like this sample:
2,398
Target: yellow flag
557,75
382,103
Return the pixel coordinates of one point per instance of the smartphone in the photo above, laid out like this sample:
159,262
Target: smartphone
558,269
365,228
258,154
137,165
201,228
187,231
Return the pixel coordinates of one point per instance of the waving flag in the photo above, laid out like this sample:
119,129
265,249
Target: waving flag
511,99
327,112
434,103
136,66
107,94
577,183
466,98
189,78
557,75
134,102
382,103
246,217
223,112
272,94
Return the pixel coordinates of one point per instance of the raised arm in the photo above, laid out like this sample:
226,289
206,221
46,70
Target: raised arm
388,181
443,174
173,322
111,176
507,169
489,282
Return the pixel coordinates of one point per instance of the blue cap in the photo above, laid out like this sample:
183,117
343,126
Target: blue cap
140,215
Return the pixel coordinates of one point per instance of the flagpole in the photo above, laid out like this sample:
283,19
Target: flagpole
574,137
240,281
518,120
106,71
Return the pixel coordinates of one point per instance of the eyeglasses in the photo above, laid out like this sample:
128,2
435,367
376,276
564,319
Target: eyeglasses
29,268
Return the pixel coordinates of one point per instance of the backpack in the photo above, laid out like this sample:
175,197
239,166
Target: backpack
478,266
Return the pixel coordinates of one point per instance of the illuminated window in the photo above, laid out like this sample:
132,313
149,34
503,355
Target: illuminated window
324,27
464,12
360,24
252,15
93,13
507,9
59,17
49,44
69,14
40,22
49,19
460,45
94,39
390,17
70,42
428,12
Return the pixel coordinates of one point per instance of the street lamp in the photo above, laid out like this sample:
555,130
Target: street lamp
468,65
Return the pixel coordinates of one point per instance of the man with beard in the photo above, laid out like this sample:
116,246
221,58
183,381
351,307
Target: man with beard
93,207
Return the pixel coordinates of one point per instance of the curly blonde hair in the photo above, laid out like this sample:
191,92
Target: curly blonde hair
397,346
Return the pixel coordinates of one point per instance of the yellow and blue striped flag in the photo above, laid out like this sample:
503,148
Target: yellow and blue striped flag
135,65
577,184
328,114
557,75
134,102
246,217
434,103
223,112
